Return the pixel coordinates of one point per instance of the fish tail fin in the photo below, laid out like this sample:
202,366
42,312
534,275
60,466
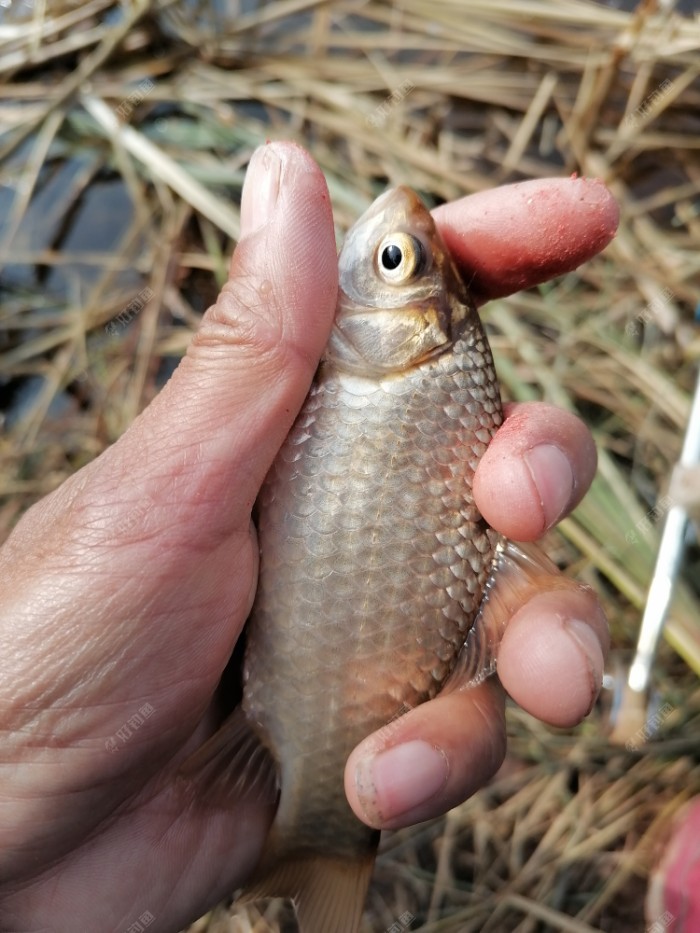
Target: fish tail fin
232,765
520,571
328,892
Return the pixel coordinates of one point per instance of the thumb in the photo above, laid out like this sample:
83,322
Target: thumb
208,439
141,565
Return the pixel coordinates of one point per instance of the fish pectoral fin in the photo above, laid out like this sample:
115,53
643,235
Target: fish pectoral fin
520,572
232,765
328,893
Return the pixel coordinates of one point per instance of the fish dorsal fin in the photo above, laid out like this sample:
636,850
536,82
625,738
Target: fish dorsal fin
233,764
328,893
520,571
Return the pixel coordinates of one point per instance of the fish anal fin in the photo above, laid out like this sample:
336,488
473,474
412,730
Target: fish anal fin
328,892
520,572
231,766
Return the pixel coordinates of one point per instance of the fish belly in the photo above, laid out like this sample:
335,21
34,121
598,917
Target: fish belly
374,559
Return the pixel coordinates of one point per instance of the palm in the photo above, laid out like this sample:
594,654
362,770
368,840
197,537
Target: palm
131,687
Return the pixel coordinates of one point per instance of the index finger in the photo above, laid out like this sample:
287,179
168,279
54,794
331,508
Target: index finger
519,235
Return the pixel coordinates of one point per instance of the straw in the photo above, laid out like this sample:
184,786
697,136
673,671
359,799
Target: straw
149,112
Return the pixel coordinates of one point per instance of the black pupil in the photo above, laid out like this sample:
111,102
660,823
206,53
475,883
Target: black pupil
392,256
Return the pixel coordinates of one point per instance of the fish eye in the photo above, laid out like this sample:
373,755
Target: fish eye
400,257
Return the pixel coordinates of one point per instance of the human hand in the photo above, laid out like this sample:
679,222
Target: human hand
130,583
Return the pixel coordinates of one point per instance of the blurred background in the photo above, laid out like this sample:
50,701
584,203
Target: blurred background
125,132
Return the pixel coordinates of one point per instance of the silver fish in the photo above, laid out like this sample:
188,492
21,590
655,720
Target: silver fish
374,557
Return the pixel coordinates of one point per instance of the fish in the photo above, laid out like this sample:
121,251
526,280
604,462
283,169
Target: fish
379,579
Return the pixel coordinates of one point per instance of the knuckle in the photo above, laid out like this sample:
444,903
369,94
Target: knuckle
244,316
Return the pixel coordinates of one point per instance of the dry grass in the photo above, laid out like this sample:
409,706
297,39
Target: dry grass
127,129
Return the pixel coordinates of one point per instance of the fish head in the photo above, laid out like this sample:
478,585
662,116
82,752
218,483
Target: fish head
401,299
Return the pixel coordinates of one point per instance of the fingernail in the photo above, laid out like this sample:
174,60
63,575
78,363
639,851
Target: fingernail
398,780
586,642
260,189
552,475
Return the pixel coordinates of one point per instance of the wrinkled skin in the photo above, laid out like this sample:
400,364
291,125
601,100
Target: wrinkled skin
128,586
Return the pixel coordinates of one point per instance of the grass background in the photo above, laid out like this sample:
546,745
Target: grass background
125,131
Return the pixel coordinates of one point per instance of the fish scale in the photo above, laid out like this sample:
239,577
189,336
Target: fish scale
374,559
403,580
